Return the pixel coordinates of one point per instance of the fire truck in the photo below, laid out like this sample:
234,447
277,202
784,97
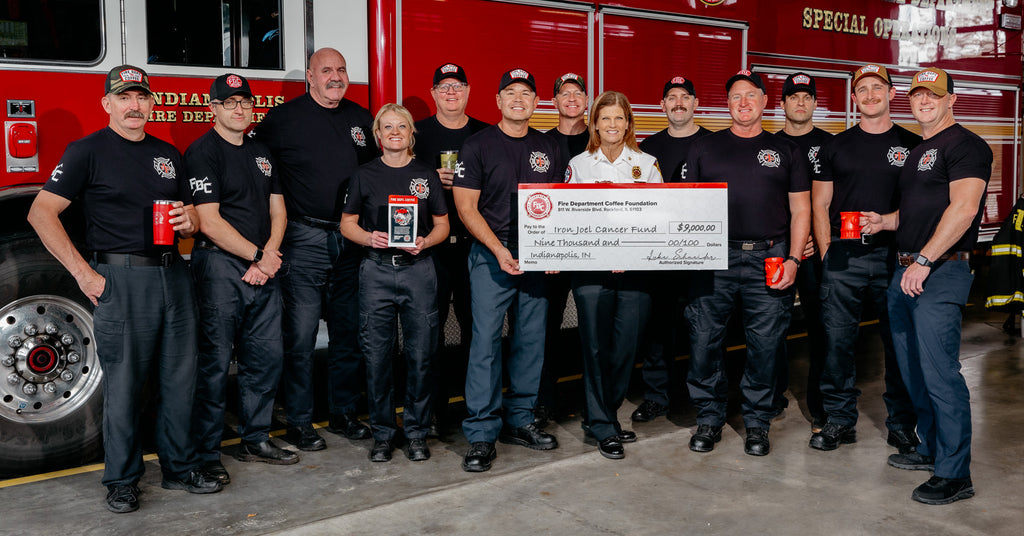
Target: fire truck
54,55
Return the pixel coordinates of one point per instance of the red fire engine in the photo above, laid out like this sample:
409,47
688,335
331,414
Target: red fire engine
54,55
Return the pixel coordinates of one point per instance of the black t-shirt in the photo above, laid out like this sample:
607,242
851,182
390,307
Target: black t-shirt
570,144
496,163
431,138
761,171
810,145
671,152
372,183
864,170
317,150
239,177
953,154
117,181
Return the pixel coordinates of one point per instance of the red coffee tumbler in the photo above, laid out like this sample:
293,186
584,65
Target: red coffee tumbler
163,231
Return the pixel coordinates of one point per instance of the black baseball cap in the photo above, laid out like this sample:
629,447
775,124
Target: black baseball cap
753,78
798,82
679,81
125,77
450,70
571,78
517,75
228,85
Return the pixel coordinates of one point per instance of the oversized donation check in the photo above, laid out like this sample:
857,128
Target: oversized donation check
623,226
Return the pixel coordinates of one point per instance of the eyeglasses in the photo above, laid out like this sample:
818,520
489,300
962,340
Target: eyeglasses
232,104
457,87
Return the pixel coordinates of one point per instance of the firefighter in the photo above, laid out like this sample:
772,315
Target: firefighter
769,216
145,312
942,195
446,131
570,99
396,282
670,146
799,100
496,160
318,140
860,171
237,194
612,306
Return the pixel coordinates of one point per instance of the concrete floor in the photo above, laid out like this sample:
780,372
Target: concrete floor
659,488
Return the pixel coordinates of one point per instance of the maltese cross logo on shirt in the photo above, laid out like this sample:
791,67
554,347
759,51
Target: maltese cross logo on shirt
539,162
358,136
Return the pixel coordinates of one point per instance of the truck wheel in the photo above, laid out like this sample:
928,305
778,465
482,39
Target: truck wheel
51,401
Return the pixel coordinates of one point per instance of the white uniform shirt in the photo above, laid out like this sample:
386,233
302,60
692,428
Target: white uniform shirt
630,167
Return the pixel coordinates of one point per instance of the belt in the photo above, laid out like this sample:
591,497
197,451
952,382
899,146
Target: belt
395,259
906,259
164,259
872,240
206,244
319,224
754,245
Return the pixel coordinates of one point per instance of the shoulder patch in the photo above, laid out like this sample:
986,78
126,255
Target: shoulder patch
57,172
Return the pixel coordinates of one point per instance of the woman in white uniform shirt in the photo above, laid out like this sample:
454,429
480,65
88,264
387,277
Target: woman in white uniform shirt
612,306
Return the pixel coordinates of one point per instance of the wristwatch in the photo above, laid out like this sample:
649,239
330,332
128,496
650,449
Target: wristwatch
794,259
923,261
258,256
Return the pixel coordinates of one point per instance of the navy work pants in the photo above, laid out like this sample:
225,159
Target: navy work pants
241,319
766,314
853,272
926,336
387,293
321,279
667,289
808,284
493,292
146,319
450,265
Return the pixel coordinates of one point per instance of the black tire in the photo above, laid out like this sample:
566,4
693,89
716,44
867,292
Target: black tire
60,424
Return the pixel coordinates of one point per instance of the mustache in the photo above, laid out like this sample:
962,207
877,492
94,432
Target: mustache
678,109
338,85
134,114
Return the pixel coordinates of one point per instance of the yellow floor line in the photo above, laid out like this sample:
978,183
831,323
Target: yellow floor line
455,399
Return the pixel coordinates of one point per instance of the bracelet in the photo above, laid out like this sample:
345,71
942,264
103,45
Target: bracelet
794,259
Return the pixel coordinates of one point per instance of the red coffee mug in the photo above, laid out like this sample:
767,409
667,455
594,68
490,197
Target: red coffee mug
163,231
773,270
851,225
